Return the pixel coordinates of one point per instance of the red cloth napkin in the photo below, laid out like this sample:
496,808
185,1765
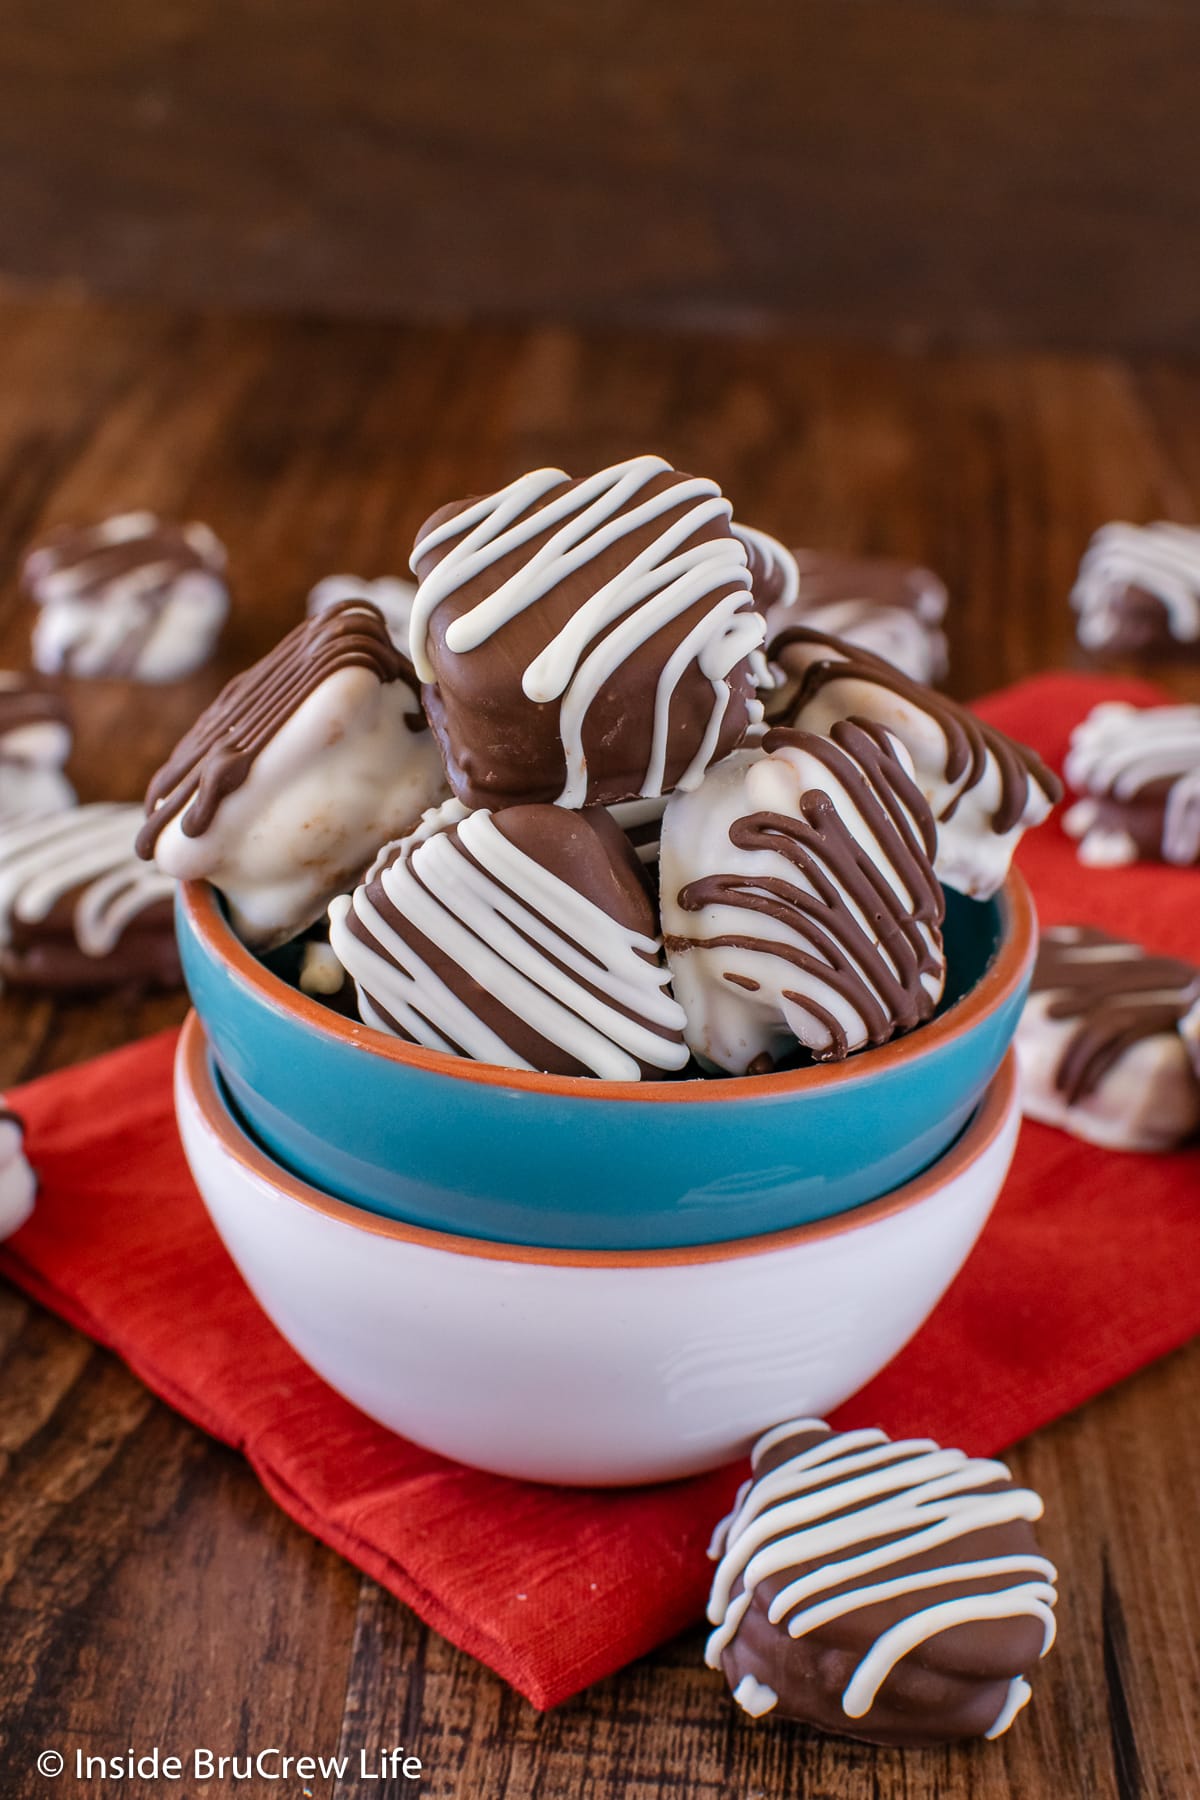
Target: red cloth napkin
1087,1271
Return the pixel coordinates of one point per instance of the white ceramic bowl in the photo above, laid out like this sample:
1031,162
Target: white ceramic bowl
589,1367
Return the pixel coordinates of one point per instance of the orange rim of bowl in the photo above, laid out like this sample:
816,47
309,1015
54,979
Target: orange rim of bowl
977,1137
1000,980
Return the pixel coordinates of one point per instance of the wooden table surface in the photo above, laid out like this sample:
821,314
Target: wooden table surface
149,1591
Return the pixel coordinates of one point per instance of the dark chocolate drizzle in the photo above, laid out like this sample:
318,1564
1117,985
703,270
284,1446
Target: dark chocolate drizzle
968,739
881,980
1117,1001
215,757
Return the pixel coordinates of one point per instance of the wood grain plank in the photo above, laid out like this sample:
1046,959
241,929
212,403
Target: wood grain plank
1022,170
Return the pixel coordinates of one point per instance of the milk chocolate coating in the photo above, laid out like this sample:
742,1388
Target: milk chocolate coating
79,914
1115,1001
28,701
772,568
1141,818
827,576
1189,1031
524,946
1141,626
966,1678
1138,591
49,960
500,746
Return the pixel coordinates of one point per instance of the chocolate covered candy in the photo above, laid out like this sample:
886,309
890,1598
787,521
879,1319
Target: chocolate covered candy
284,789
1138,591
585,641
890,608
525,938
18,1184
985,790
799,904
1189,1031
888,1591
1138,770
1100,1043
78,912
35,742
393,598
134,597
774,575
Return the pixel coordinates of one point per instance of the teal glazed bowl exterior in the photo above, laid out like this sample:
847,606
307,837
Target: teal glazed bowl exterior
524,1158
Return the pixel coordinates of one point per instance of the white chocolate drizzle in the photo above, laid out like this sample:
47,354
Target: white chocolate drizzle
86,852
545,952
1161,559
656,586
815,1512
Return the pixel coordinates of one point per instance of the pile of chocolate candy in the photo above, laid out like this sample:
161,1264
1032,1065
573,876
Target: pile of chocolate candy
588,667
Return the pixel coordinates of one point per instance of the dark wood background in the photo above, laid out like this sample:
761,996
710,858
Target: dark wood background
149,1592
908,171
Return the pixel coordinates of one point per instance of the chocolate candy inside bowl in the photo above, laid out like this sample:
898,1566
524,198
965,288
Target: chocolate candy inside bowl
445,991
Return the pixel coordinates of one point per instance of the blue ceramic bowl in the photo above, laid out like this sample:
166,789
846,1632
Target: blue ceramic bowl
571,1163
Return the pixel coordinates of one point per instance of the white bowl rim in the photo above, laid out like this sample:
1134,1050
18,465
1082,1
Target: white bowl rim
194,1074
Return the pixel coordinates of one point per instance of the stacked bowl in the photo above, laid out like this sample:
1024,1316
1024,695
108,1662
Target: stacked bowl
584,1281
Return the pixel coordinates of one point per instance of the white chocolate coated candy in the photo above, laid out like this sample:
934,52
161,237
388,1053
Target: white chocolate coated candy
808,968
1149,1100
1100,1047
342,775
973,852
1162,560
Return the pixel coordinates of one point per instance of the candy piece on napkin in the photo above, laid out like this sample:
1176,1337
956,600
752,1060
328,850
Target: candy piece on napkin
885,1590
1099,1045
891,608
